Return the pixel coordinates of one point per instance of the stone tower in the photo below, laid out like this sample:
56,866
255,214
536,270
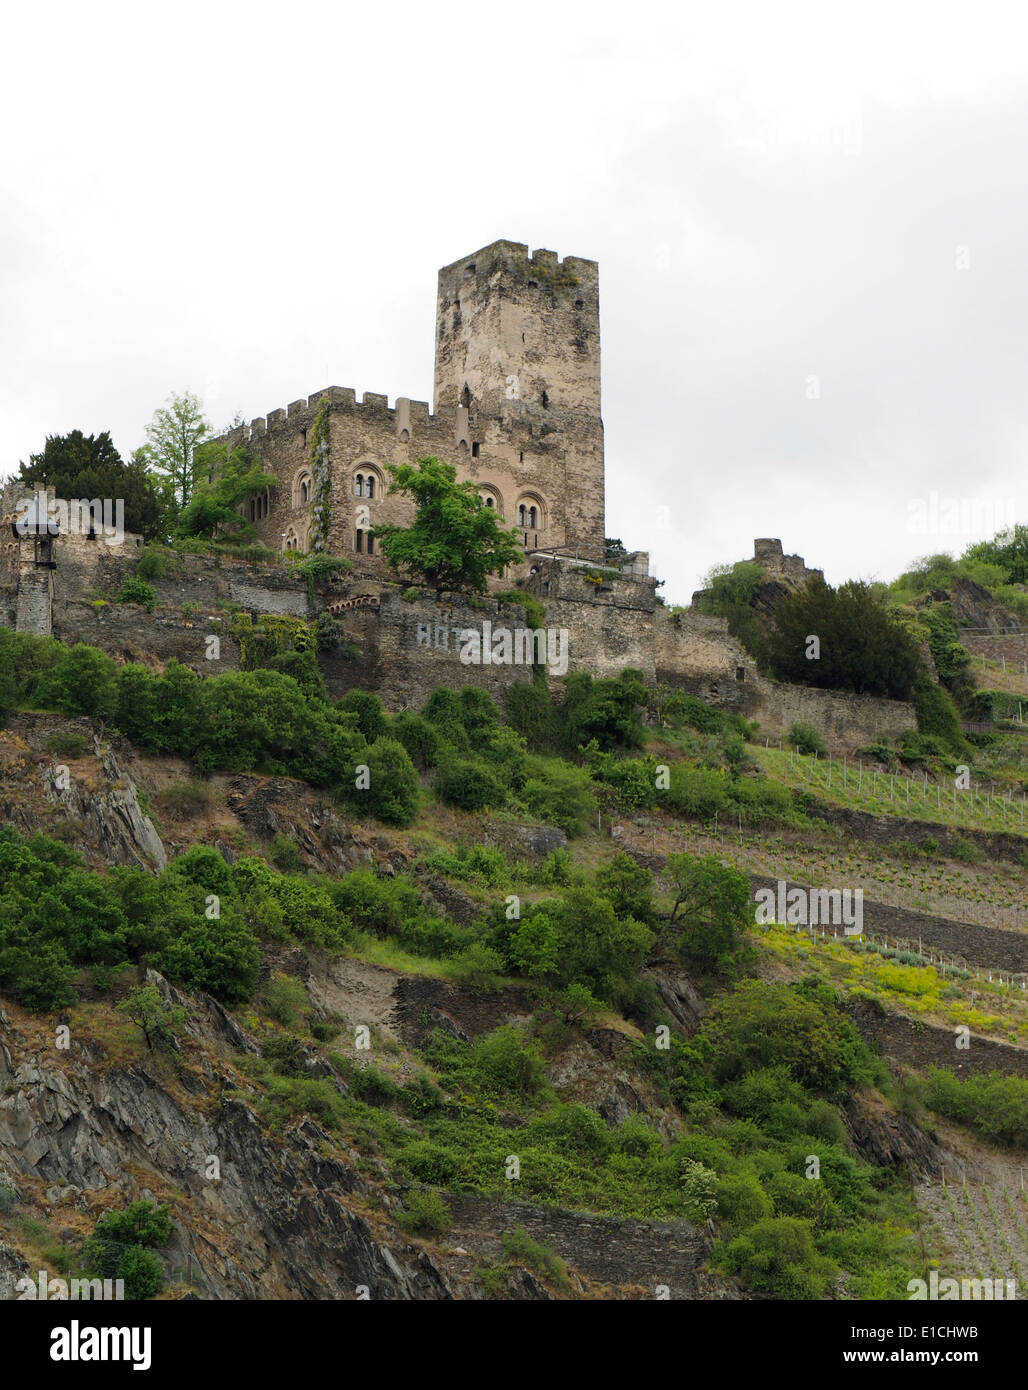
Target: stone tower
517,356
513,329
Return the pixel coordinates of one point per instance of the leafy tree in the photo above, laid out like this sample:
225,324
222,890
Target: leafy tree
219,956
1008,549
455,541
628,886
469,784
799,1027
778,1256
368,708
173,436
861,645
559,793
716,908
121,1247
605,710
600,949
224,478
728,591
81,466
392,791
157,1019
83,681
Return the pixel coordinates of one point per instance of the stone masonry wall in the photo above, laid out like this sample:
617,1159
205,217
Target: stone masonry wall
611,625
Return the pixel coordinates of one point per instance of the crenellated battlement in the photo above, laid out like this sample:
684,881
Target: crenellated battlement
514,256
405,412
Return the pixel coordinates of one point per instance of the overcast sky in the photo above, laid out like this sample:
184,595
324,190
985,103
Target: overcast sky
811,223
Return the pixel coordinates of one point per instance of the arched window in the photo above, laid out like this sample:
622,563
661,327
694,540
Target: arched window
303,489
358,487
371,543
489,501
370,484
290,541
360,542
522,515
533,518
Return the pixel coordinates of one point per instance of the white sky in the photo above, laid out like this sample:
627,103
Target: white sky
252,200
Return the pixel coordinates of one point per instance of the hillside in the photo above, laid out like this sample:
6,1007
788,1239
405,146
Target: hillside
521,1038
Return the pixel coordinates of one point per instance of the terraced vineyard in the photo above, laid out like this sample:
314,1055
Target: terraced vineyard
982,1229
863,785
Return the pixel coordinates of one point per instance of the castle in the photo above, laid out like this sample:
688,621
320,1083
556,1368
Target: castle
517,412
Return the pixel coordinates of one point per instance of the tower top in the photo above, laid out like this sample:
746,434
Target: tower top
517,329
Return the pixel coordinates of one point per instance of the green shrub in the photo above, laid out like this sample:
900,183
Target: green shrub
778,1256
135,590
284,853
392,791
937,714
559,794
966,851
995,1105
424,1214
368,708
519,1245
805,738
477,967
8,1198
67,745
121,1248
423,742
468,784
81,681
285,999
741,1200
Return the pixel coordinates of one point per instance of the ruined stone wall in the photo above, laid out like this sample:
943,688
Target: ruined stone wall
404,650
845,722
696,653
768,553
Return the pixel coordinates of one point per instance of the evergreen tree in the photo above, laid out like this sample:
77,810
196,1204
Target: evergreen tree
80,466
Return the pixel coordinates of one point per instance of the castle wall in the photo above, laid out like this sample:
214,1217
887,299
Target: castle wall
611,625
127,632
408,649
